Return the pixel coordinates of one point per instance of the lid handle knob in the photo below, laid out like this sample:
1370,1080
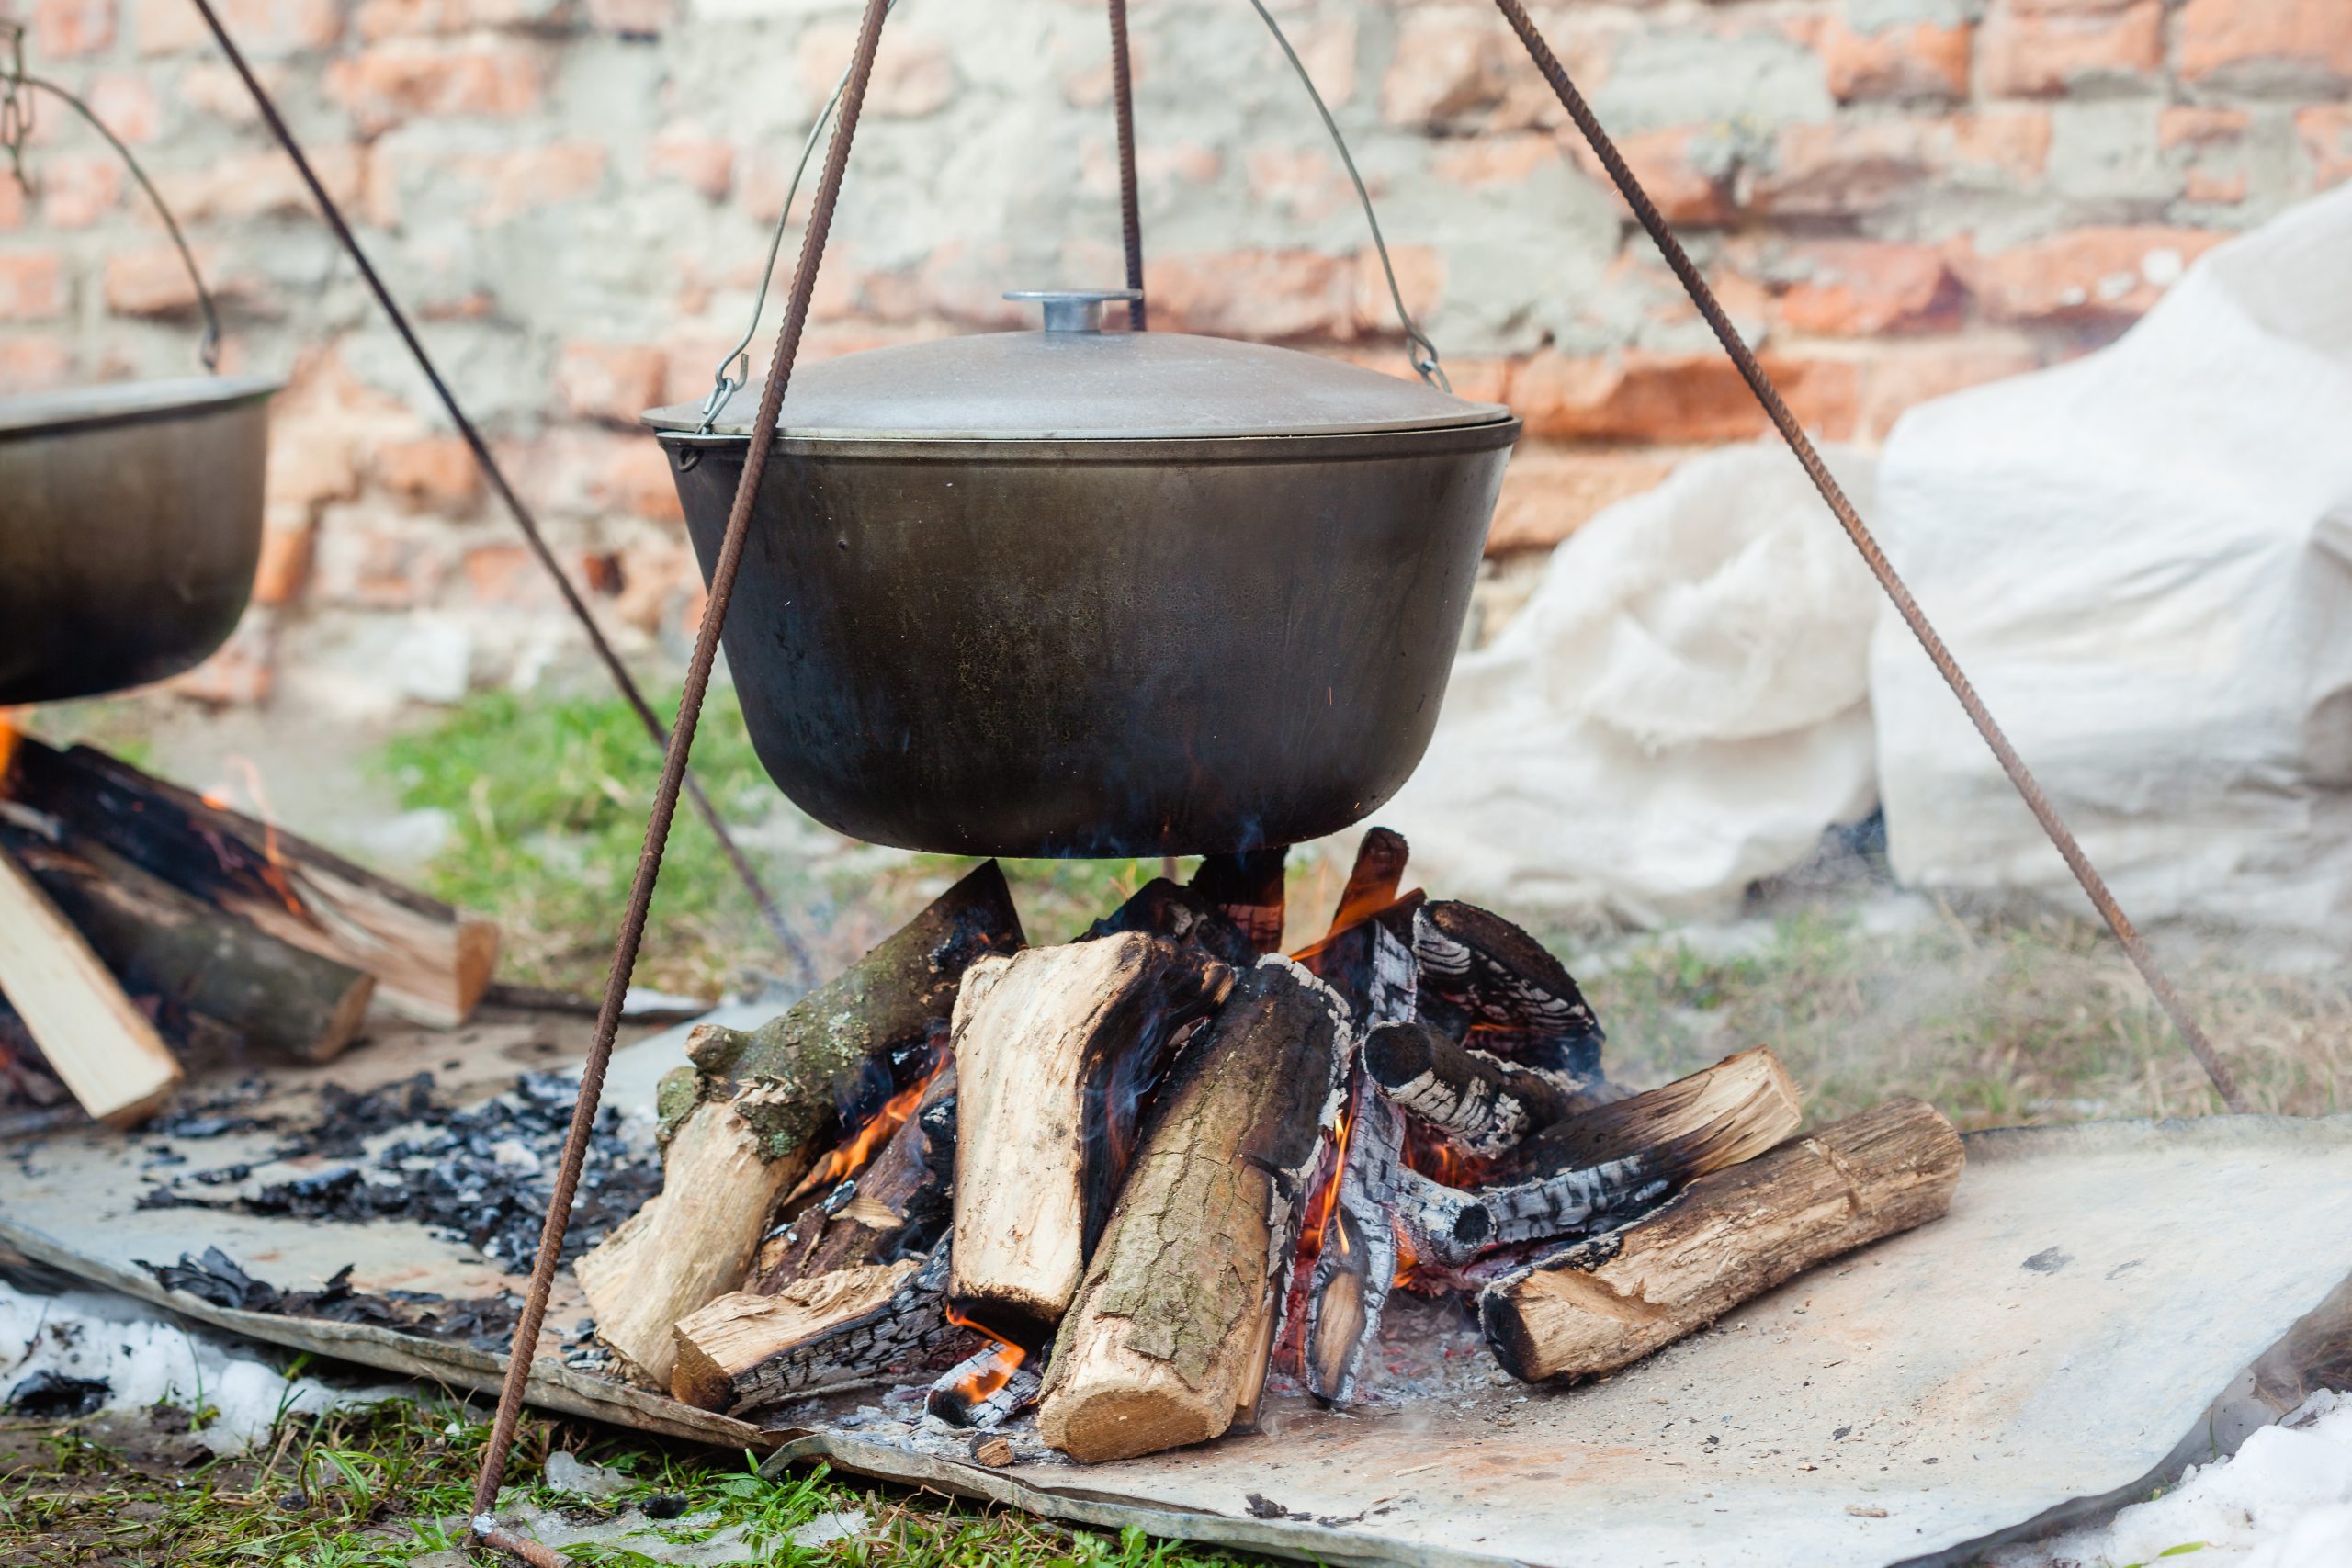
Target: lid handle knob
1074,309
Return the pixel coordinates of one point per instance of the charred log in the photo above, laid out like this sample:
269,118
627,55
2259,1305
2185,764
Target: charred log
1056,1049
986,1389
742,1354
896,1207
1480,1102
1730,1236
430,960
1169,1339
759,1107
1246,888
1488,984
1162,907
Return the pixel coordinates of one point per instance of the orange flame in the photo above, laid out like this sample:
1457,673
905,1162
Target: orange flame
996,1371
274,869
848,1158
8,733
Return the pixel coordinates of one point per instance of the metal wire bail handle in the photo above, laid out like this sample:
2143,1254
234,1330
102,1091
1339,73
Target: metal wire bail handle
17,87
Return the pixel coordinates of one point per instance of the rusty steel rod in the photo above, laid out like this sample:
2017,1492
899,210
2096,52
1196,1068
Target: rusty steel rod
771,914
2102,899
674,773
1123,97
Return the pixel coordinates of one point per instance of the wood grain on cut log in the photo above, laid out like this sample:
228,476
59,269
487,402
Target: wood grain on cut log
742,1354
431,962
98,1042
1606,1302
211,972
759,1106
1055,1050
896,1207
1246,888
1169,1339
1488,984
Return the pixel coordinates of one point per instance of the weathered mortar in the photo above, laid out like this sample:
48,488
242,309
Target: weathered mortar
1897,197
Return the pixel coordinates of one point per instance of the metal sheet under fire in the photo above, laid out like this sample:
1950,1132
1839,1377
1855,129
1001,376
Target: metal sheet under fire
2103,1305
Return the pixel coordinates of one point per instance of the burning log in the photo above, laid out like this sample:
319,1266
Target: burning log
742,1354
1480,1102
1487,983
986,1389
98,1040
1161,908
430,962
1606,1302
759,1106
212,974
1054,1049
1246,888
1168,1339
896,1207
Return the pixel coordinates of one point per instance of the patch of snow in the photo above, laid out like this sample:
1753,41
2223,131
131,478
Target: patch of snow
2285,1501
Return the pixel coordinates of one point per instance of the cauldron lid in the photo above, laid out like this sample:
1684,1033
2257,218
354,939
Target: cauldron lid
117,403
1081,384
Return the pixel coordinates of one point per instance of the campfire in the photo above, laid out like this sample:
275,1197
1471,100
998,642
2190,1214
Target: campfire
142,925
1135,1180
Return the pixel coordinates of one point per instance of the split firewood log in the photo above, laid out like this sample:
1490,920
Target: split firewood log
1056,1048
741,1354
431,962
213,974
1246,888
896,1207
1606,1302
1168,1339
759,1107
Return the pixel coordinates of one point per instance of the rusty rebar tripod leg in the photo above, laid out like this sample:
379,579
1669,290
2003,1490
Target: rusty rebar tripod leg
674,771
770,913
1647,211
1123,96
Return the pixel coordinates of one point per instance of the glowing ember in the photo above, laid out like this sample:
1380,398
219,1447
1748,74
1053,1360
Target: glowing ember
992,1374
850,1158
8,733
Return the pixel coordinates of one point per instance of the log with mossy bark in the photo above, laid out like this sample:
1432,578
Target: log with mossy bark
1729,1236
758,1107
1168,1339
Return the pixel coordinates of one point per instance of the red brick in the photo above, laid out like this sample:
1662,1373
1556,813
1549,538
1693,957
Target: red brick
1900,378
1269,295
1861,288
127,104
1420,279
2212,189
265,29
2182,124
65,27
34,364
154,281
310,462
1452,68
380,561
426,19
434,473
1504,159
12,202
632,19
1922,61
635,480
1089,85
1675,398
613,382
32,286
2326,131
1688,187
394,83
508,575
2037,49
1303,183
1549,492
683,153
1845,168
530,177
2309,36
78,191
2088,275
287,546
240,186
914,76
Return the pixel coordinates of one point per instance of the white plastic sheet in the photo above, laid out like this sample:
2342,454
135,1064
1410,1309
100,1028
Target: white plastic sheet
2143,559
1681,708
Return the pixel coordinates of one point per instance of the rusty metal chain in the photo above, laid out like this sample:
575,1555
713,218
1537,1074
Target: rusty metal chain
2102,899
673,771
771,913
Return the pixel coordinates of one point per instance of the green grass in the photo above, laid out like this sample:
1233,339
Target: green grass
386,1486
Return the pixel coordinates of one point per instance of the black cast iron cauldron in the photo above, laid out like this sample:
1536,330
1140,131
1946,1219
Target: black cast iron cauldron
1076,593
130,528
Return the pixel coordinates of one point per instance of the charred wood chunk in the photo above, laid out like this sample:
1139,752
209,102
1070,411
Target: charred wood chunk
1162,907
1168,1339
1481,1102
1373,880
1451,1226
742,1354
1729,1236
1247,887
896,1207
986,1389
1055,1051
1488,984
762,1104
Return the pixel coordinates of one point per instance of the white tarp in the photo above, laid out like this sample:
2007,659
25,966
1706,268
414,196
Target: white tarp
1681,708
2143,559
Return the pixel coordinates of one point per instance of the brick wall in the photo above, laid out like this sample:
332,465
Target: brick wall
1896,199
